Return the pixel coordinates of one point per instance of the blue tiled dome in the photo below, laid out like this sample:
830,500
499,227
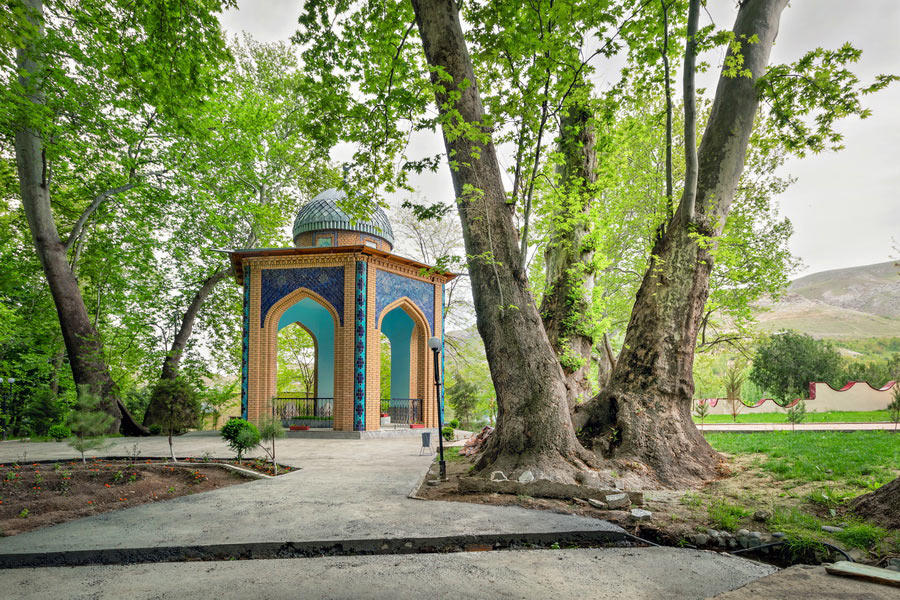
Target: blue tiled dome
323,213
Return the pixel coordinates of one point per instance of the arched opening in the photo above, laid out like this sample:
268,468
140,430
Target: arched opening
305,362
402,402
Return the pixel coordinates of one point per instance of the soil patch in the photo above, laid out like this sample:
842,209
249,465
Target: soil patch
38,495
881,506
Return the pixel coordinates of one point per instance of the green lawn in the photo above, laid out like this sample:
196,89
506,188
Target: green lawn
835,416
861,459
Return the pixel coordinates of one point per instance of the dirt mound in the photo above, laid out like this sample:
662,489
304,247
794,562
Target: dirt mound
881,506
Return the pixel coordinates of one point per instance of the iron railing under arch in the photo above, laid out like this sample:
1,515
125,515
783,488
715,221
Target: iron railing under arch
302,410
403,411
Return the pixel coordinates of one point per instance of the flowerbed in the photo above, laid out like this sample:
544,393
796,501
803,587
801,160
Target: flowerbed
35,495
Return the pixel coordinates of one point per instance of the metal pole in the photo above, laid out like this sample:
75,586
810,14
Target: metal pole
437,400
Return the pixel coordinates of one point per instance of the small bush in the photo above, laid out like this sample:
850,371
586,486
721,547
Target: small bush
59,432
240,436
155,429
447,432
454,423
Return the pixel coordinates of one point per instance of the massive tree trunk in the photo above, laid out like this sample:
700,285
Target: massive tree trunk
156,410
644,415
569,257
533,431
83,344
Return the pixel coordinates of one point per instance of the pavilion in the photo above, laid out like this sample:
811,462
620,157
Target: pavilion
344,286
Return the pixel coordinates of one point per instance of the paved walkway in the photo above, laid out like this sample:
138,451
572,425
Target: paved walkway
756,427
344,490
609,573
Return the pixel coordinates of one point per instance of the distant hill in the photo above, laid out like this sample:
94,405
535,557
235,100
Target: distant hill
843,303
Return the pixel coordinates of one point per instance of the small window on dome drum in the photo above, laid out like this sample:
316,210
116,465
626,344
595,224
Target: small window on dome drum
372,244
324,241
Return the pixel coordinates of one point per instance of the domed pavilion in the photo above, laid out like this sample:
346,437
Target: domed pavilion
344,286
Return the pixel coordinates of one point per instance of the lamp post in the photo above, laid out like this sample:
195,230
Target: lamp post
435,344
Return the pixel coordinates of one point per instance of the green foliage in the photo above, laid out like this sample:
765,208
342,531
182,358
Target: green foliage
727,516
861,535
240,436
155,429
462,397
270,429
296,361
785,364
177,407
454,423
796,414
59,432
41,411
447,433
179,403
89,423
701,410
894,406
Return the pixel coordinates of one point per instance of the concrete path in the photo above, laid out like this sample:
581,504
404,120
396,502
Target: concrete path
757,427
610,573
806,582
344,490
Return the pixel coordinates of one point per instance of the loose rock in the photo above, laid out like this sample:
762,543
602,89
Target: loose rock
618,500
639,514
832,529
598,504
526,477
762,515
701,539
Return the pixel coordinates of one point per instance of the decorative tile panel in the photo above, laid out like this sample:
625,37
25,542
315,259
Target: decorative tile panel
327,282
391,286
245,343
359,362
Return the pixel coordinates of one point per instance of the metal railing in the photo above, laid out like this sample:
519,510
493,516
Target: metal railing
315,412
403,411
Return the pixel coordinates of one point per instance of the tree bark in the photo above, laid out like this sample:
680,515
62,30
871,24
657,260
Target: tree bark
83,344
156,411
533,431
569,257
644,415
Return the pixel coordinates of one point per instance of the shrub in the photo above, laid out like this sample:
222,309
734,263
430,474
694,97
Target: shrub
155,429
270,429
454,423
240,436
59,432
89,423
796,414
177,407
447,432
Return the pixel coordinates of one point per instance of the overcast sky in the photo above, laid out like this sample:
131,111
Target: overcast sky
844,206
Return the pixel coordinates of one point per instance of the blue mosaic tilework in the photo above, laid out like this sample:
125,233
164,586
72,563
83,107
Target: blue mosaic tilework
359,385
245,343
390,287
328,282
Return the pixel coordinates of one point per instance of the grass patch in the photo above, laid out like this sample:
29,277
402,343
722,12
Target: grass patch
451,455
864,459
834,416
827,497
727,516
691,499
861,535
